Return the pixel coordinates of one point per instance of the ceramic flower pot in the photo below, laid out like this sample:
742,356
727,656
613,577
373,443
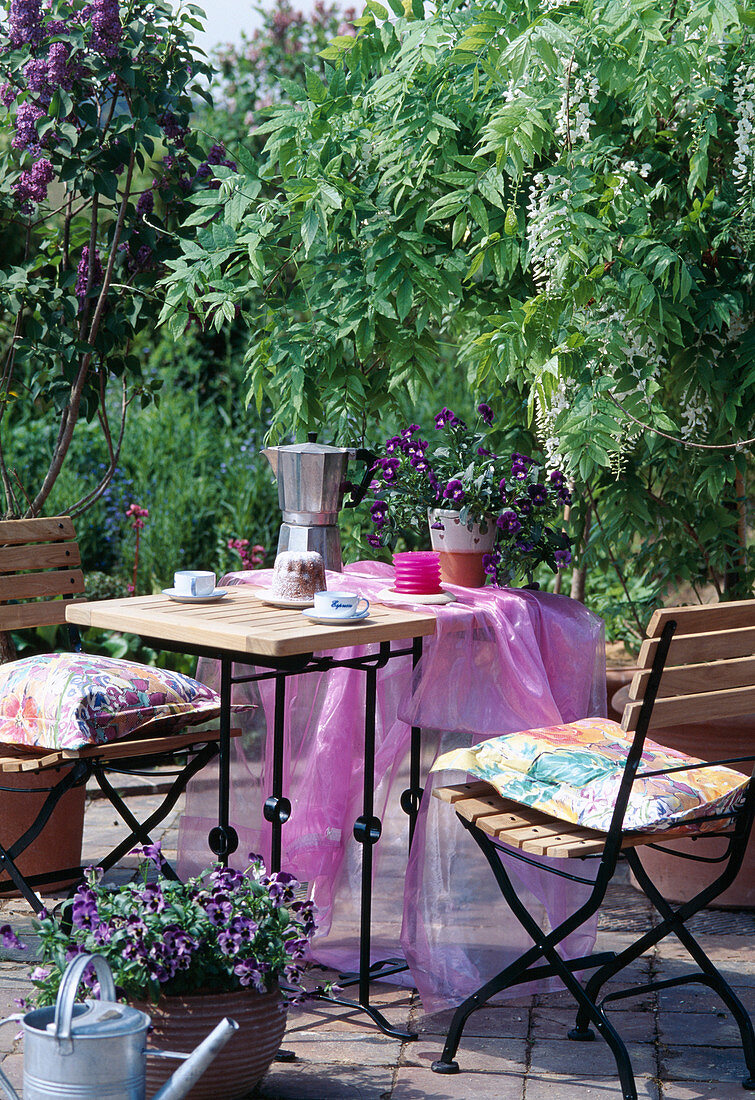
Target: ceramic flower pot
59,843
461,548
181,1023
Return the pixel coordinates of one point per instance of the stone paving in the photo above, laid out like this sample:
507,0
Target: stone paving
682,1042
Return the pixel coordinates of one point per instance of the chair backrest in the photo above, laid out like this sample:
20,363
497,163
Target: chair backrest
710,669
39,562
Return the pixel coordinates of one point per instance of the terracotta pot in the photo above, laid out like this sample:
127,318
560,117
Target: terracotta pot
59,843
181,1023
680,879
461,548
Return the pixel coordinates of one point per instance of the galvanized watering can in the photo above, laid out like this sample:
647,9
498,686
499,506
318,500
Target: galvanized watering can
98,1050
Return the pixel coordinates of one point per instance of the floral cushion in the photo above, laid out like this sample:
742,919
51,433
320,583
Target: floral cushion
70,700
573,772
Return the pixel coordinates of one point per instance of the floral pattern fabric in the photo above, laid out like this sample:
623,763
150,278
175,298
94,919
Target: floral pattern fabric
573,773
71,700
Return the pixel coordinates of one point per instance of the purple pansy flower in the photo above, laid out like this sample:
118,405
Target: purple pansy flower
486,413
508,522
454,491
562,558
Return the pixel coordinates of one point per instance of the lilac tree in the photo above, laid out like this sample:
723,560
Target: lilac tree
96,163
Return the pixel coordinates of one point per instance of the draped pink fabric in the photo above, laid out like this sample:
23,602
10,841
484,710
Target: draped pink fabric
501,660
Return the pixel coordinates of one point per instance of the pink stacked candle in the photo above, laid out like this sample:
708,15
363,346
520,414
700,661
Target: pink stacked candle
417,572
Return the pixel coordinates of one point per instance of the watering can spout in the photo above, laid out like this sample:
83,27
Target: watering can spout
187,1075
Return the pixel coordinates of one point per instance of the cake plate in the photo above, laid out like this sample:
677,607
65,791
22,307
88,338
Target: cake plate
266,596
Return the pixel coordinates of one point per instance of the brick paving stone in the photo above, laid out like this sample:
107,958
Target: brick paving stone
357,1047
503,1021
704,1090
554,1023
422,1084
720,1030
576,1088
588,1059
13,1068
699,998
325,1082
704,1063
476,1054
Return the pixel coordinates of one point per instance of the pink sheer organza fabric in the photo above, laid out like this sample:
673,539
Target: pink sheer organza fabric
501,660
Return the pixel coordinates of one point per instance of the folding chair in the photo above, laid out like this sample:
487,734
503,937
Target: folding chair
39,563
597,790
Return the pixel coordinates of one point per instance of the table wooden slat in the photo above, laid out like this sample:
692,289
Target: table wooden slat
241,623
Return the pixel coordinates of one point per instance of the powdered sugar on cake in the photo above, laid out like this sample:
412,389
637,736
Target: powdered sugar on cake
298,574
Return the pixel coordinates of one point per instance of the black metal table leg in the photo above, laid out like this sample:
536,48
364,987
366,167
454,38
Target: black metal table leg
412,796
223,839
277,809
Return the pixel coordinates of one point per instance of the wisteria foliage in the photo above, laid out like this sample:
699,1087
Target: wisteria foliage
557,196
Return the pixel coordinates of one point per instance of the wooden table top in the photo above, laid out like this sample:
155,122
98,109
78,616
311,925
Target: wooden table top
242,623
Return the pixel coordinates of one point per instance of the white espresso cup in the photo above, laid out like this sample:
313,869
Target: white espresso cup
193,582
339,605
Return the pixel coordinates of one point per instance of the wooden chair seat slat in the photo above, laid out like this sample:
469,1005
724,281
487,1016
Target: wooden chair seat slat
690,648
512,824
44,555
693,708
697,679
26,586
26,761
19,532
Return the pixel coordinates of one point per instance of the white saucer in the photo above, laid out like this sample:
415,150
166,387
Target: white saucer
390,595
332,620
266,596
217,594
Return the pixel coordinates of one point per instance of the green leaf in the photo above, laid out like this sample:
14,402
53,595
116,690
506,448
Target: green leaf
510,224
316,90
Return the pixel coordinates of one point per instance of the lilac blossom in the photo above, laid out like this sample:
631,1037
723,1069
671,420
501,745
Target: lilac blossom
31,185
25,22
145,204
106,27
7,95
26,136
58,72
82,274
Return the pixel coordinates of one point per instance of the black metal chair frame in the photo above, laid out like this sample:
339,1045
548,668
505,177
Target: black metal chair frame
607,964
77,774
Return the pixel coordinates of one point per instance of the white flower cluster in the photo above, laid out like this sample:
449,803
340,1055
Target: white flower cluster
579,93
545,419
640,354
744,156
545,230
695,414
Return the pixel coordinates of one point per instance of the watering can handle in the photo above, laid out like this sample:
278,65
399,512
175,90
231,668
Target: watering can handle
358,492
69,987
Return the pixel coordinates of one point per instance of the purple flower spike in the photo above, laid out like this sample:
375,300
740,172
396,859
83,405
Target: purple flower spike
106,24
25,22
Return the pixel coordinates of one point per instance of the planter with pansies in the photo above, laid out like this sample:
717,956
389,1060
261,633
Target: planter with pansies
491,516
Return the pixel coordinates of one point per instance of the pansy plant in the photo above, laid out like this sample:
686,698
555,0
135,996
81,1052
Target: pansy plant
224,930
459,470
